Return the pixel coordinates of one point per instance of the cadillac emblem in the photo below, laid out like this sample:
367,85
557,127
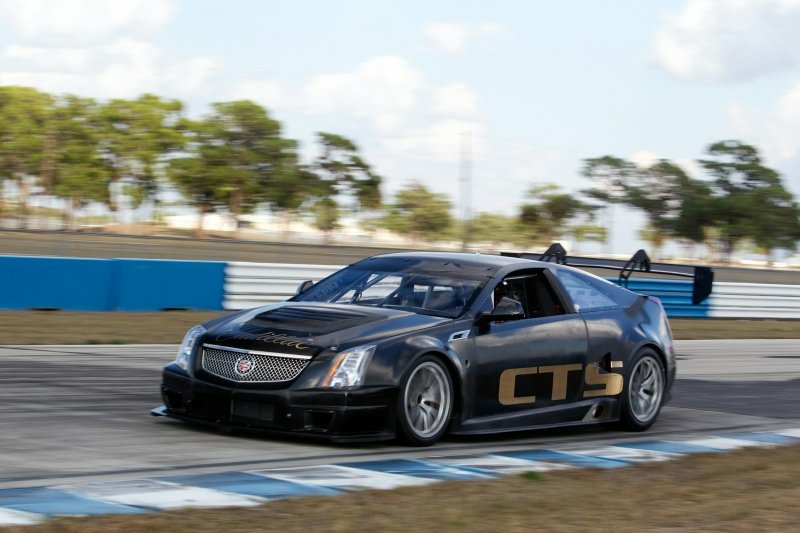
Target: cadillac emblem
244,366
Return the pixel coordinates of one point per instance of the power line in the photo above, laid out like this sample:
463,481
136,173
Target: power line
465,172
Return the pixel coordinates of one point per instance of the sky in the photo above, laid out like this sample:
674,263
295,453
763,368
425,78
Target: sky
523,91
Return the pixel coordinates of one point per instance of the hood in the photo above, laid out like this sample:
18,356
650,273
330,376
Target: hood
308,328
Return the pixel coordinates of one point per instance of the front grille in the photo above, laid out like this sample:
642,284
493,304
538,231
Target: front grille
251,366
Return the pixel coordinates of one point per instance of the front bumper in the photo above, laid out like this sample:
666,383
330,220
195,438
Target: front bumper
366,414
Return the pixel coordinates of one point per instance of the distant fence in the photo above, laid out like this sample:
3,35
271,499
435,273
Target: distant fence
151,284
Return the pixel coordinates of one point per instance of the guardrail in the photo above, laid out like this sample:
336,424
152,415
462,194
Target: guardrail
253,284
149,285
754,300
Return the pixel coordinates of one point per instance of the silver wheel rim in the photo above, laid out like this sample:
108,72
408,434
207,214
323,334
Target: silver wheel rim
427,399
646,389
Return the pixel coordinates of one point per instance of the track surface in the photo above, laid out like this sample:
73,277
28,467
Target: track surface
80,413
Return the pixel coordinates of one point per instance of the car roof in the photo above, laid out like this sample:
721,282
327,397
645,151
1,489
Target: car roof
484,262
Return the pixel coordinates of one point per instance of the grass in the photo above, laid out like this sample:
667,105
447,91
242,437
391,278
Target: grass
728,328
745,490
62,327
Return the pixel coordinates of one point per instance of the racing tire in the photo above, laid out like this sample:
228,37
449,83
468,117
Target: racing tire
643,394
425,402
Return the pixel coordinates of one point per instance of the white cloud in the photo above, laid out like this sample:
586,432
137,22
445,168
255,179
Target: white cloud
730,40
448,37
386,93
644,158
46,58
452,37
382,89
270,93
441,140
381,92
776,131
454,100
96,48
416,128
83,21
125,67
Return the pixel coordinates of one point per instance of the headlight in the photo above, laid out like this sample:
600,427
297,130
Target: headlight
349,368
185,351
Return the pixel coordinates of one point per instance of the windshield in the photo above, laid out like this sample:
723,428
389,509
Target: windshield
421,292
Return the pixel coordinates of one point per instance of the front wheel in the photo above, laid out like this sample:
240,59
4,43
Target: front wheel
644,391
425,402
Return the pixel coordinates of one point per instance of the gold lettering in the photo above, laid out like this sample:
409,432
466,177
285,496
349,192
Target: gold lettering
612,381
508,385
270,337
560,373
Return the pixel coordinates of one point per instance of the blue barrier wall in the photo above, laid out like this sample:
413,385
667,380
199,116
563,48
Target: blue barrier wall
675,296
77,284
80,284
55,283
147,284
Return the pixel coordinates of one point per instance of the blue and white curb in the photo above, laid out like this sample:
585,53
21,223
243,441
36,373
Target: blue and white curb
23,506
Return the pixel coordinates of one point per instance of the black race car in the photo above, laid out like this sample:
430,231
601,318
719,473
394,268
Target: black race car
416,345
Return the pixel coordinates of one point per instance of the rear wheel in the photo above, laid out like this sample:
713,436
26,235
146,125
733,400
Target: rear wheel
425,402
644,390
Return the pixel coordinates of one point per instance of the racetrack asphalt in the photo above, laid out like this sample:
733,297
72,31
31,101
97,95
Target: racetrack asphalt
80,413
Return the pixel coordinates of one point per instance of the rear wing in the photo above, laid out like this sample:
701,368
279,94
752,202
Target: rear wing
702,277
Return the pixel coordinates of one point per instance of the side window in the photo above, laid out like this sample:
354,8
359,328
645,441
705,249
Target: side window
532,291
585,296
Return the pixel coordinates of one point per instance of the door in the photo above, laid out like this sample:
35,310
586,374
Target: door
533,360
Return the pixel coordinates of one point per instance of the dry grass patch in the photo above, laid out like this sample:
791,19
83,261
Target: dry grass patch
64,327
729,328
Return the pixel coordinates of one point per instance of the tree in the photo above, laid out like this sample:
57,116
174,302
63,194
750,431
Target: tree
498,229
696,216
750,200
137,137
294,187
196,178
326,215
675,204
419,213
547,213
234,158
655,237
24,114
589,232
612,177
81,175
343,172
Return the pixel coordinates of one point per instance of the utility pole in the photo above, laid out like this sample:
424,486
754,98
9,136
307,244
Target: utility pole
465,178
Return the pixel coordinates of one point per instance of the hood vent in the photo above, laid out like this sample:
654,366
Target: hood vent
311,320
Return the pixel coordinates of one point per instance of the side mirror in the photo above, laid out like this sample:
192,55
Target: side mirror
304,286
506,309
